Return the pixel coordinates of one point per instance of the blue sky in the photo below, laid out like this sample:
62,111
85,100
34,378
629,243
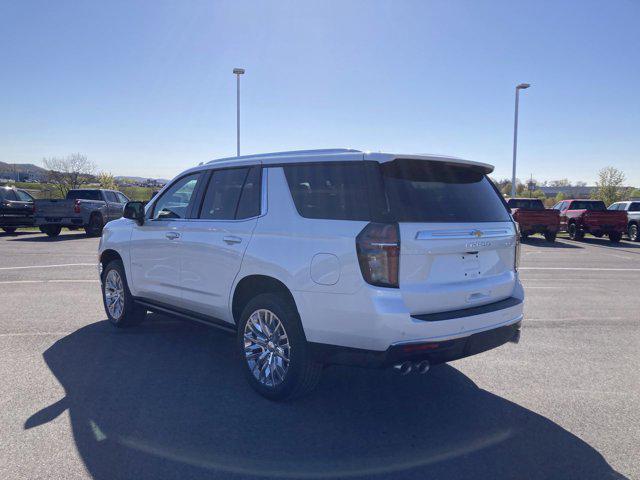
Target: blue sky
145,88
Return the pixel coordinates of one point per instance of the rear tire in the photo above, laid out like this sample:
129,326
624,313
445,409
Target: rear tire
10,229
51,230
615,237
282,343
94,229
575,233
634,235
119,305
550,236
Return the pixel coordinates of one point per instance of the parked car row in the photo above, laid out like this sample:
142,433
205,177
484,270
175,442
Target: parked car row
90,209
577,218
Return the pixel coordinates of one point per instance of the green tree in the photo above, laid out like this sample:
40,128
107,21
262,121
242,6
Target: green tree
635,193
107,181
609,184
560,197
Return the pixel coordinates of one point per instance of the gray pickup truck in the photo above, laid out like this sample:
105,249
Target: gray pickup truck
86,208
633,217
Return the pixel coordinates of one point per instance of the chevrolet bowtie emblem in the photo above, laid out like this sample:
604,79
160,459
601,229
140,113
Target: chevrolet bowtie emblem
476,233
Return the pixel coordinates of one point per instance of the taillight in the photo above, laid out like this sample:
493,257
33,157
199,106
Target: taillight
378,247
76,206
516,259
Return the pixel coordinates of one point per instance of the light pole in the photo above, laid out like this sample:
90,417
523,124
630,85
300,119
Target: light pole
237,72
522,86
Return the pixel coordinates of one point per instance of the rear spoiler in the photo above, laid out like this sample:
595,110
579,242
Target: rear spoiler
386,157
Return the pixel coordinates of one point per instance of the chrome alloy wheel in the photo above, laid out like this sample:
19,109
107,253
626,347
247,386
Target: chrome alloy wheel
114,294
266,348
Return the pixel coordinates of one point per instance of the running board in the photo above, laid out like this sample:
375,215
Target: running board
187,315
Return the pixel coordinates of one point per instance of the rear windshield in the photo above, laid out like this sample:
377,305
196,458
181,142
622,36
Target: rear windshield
525,204
592,206
84,195
402,190
419,191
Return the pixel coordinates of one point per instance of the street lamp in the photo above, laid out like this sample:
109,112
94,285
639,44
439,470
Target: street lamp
522,86
237,72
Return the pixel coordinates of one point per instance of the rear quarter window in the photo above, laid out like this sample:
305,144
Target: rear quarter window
332,190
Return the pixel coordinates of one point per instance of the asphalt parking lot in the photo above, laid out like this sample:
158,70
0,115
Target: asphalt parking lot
167,399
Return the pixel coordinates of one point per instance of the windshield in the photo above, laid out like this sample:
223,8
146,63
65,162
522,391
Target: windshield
425,191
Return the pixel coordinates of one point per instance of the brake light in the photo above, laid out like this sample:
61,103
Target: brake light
378,248
516,259
76,206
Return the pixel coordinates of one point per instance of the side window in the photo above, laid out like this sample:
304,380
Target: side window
249,205
24,196
334,191
223,193
174,202
121,198
634,207
111,197
9,195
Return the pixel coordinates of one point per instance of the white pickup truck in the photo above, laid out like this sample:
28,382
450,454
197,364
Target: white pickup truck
82,208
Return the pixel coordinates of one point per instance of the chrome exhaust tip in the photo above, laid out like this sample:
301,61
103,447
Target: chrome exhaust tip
423,367
403,368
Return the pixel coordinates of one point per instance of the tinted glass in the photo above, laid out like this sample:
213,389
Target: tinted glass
221,199
526,204
121,197
336,191
111,197
249,205
421,191
8,194
24,196
592,206
174,203
634,207
84,195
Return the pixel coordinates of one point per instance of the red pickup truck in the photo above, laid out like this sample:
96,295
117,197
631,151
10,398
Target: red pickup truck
591,216
532,218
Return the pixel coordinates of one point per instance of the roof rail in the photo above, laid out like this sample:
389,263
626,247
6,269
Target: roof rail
291,153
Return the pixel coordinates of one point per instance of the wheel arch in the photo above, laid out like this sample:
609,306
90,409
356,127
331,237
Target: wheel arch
252,285
108,256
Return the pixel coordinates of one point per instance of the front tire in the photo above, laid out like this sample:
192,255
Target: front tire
615,237
575,233
119,305
94,229
634,235
550,236
10,229
275,353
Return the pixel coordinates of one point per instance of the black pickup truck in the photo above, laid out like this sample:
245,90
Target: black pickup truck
16,209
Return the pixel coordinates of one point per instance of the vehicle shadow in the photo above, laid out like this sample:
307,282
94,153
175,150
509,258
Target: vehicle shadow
41,237
605,242
168,400
541,242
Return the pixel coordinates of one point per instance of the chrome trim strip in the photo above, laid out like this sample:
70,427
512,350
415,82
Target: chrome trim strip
463,234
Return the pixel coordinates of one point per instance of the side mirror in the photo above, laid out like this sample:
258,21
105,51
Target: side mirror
134,211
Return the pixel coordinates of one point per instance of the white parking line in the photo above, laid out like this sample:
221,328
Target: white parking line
47,281
51,266
583,268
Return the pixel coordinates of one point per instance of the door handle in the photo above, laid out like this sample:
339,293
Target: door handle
172,235
231,239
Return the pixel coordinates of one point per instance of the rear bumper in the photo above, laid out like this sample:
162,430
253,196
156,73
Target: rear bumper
436,351
62,221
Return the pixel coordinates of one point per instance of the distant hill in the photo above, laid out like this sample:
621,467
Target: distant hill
122,178
21,168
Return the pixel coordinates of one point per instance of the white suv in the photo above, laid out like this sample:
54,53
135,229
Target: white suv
324,257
